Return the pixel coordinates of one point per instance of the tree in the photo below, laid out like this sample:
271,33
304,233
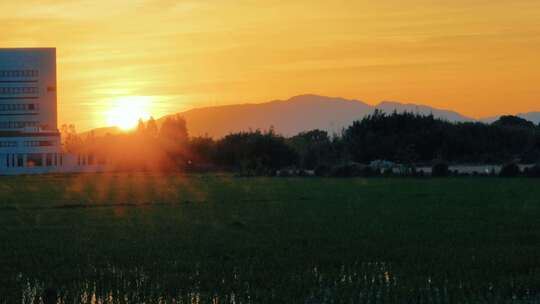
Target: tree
510,170
408,137
314,148
151,127
440,169
202,150
255,151
390,137
71,141
141,129
174,131
174,139
513,121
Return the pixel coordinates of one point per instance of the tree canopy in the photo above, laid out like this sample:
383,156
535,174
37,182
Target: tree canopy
404,138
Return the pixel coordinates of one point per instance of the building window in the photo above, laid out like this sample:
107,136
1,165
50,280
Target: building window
17,124
39,143
18,107
8,144
18,90
19,73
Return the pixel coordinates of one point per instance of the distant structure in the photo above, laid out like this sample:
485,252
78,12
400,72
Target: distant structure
29,137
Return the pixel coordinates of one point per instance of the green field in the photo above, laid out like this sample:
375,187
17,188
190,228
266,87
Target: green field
142,238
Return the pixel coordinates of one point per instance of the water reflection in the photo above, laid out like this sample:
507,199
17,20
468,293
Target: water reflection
365,282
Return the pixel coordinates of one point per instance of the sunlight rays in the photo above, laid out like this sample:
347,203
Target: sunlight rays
127,110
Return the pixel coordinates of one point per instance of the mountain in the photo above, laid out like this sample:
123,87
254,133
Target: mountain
297,114
489,119
287,117
530,116
391,106
300,113
100,132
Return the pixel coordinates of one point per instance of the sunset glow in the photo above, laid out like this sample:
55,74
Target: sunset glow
126,111
479,58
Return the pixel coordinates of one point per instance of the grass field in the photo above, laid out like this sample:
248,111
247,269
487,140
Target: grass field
142,238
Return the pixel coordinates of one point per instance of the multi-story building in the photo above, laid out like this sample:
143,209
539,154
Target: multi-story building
29,137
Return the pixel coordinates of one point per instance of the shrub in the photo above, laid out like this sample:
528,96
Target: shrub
322,170
387,172
353,170
440,169
284,173
346,170
367,171
510,170
302,173
533,171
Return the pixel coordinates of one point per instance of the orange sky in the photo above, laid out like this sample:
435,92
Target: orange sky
477,57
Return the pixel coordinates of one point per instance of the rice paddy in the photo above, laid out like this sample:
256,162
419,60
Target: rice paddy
144,238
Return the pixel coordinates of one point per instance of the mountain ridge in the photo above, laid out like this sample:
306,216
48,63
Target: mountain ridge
301,113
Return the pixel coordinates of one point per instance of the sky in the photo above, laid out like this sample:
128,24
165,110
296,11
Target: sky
480,58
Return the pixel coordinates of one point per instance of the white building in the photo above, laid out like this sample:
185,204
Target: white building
29,136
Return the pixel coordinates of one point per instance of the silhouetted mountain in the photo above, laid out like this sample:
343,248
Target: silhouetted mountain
530,116
489,119
299,113
391,106
287,117
104,131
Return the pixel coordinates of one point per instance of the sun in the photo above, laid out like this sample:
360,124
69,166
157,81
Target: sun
127,110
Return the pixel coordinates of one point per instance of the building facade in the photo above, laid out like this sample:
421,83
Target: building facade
29,136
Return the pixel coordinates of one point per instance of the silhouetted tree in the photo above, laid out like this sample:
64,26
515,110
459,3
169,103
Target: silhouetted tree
173,137
141,128
440,169
151,127
71,141
510,170
255,151
513,121
405,138
202,150
410,138
533,171
174,130
313,147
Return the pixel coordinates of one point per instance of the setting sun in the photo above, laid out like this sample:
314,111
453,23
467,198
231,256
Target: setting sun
126,111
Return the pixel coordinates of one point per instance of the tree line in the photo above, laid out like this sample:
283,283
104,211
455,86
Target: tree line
406,139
